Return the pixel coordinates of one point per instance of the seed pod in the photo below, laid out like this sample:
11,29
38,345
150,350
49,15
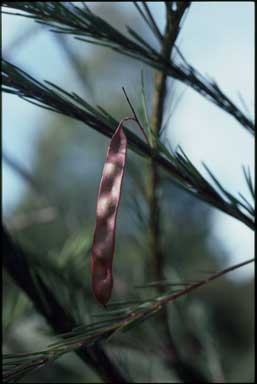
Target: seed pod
106,215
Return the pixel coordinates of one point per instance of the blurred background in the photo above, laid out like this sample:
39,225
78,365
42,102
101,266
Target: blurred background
52,166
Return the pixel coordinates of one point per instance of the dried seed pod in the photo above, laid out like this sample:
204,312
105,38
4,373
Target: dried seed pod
106,215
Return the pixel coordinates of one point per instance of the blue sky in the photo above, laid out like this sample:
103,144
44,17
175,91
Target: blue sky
218,39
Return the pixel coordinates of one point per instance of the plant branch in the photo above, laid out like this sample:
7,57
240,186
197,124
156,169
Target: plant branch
121,320
135,118
152,21
182,171
16,264
185,371
152,25
84,25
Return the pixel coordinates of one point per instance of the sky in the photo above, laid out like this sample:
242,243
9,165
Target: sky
218,39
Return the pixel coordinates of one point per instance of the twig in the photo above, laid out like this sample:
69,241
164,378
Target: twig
157,34
206,281
16,264
54,98
152,21
184,370
136,118
82,339
88,27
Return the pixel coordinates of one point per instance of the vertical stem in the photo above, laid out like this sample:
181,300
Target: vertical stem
173,19
153,176
153,187
184,370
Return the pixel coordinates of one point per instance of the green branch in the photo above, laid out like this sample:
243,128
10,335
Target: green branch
16,264
84,25
118,320
179,167
174,359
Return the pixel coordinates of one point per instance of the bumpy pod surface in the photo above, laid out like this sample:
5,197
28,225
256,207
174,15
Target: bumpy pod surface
106,215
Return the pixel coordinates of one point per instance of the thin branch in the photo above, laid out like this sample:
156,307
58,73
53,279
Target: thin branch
84,25
136,118
174,360
16,264
156,33
152,21
15,365
183,173
206,281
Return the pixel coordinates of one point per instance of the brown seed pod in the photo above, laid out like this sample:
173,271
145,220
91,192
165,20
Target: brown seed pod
106,215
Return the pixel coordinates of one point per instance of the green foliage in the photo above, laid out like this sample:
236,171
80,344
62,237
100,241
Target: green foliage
178,165
211,327
81,21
